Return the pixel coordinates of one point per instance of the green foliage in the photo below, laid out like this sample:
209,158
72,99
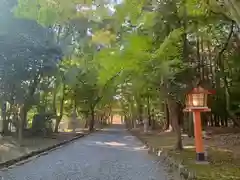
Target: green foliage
47,12
197,8
230,8
130,49
171,48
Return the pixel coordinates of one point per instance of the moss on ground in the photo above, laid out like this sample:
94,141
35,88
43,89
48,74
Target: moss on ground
222,164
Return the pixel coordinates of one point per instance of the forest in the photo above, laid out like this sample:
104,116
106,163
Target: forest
140,56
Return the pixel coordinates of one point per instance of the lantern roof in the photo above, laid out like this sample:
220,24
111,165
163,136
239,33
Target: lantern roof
200,89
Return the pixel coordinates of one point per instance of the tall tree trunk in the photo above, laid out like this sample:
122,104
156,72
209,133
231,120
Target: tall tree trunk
131,114
86,114
216,120
199,68
9,113
29,97
226,86
59,118
153,120
140,110
168,124
202,61
149,112
92,119
126,120
211,120
211,70
226,121
111,119
22,119
174,113
5,129
54,101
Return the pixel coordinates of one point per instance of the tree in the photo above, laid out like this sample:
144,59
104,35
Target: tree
29,55
147,53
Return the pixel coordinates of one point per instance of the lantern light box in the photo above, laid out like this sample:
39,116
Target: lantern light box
197,99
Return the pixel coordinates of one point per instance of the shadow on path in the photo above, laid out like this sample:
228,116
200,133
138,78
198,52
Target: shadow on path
111,154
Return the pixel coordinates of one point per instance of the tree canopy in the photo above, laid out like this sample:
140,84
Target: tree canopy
82,56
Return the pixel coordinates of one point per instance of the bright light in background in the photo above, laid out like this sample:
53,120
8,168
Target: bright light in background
85,8
89,32
117,97
110,6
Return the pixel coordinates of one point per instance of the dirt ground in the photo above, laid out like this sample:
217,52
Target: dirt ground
11,149
222,146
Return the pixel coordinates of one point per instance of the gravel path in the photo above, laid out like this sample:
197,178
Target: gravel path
112,154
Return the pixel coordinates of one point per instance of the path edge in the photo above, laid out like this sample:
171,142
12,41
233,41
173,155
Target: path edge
165,157
37,153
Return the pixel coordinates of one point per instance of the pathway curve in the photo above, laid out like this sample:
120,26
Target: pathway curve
112,154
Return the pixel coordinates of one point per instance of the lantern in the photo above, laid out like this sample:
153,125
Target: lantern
197,98
196,102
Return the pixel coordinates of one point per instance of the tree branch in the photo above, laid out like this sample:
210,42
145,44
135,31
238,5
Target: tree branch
227,41
105,86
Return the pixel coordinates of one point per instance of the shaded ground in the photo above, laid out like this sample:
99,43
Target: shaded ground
11,149
223,151
112,154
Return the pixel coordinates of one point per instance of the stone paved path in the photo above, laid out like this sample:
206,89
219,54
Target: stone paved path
112,154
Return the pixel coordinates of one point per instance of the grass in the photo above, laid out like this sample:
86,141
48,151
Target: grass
223,165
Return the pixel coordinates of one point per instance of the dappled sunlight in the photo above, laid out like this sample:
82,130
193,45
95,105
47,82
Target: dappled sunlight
4,148
230,177
167,147
111,143
222,150
117,145
188,147
114,144
109,129
99,69
168,131
9,145
140,148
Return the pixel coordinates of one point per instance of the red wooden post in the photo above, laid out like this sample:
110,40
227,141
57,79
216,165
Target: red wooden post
196,102
198,136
